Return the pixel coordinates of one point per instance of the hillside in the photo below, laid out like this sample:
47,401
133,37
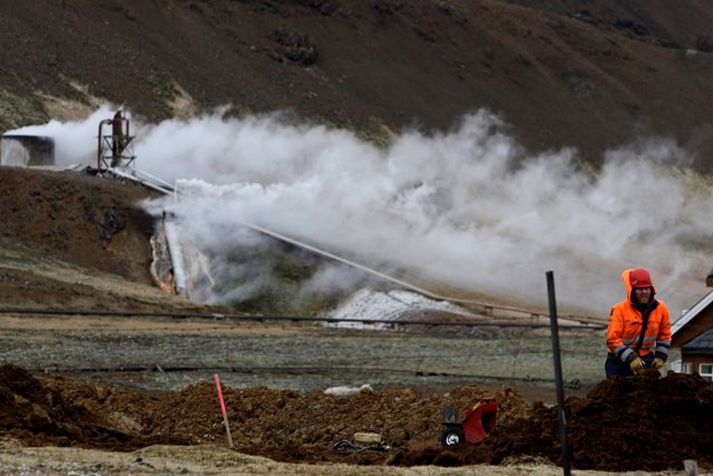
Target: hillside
76,242
563,73
320,120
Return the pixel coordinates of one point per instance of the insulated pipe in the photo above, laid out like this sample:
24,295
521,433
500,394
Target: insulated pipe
155,184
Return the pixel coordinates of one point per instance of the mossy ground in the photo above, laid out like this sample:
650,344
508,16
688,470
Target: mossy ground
17,111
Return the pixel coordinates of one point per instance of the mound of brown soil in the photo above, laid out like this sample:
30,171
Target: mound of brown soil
38,414
645,423
79,219
280,424
642,423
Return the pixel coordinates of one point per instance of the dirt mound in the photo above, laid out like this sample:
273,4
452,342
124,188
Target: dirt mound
645,423
38,414
281,424
287,426
77,218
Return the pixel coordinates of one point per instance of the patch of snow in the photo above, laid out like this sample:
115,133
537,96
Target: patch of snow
373,305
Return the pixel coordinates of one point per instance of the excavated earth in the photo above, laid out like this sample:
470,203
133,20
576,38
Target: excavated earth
639,423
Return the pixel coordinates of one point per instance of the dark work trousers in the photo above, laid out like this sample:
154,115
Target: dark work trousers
614,367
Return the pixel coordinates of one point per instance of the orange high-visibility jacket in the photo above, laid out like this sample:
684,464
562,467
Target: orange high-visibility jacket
625,323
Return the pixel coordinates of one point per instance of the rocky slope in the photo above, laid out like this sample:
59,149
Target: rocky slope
588,74
74,241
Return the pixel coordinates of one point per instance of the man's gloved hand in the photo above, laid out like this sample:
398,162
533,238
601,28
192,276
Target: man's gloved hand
657,363
637,365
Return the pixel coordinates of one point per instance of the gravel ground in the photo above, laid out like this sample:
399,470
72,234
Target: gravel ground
165,354
215,460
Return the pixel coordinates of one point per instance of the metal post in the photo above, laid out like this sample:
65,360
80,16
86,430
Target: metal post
554,330
100,145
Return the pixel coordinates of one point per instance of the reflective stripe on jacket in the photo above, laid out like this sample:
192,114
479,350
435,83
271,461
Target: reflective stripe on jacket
626,321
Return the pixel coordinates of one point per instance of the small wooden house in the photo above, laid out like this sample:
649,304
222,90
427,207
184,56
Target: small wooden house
693,334
699,355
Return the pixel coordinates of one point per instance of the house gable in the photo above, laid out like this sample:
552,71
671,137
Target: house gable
694,322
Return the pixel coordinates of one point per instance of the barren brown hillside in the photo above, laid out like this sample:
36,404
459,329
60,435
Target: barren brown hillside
78,218
94,356
589,74
75,241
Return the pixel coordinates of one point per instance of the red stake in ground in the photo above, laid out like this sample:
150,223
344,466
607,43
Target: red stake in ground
222,409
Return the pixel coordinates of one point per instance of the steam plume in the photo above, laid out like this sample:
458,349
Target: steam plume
464,209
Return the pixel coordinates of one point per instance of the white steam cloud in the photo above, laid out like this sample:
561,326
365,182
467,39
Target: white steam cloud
465,209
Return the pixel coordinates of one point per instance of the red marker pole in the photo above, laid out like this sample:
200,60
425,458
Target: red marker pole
222,409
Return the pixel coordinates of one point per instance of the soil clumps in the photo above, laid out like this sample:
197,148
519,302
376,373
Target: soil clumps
645,423
39,414
638,423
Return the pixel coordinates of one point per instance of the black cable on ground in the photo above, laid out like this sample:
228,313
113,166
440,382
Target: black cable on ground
290,319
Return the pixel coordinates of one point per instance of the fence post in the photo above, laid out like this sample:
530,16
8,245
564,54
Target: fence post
554,331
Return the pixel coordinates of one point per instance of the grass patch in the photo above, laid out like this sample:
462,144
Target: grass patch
163,86
17,111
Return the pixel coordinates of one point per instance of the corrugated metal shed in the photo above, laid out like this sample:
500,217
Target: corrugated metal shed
702,343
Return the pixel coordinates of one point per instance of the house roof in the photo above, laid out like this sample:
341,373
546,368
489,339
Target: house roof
697,308
704,342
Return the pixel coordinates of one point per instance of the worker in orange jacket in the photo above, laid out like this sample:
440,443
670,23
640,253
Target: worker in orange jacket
639,334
